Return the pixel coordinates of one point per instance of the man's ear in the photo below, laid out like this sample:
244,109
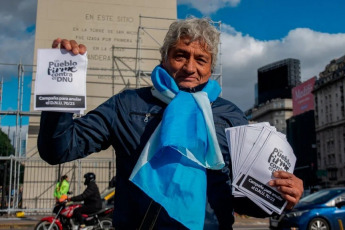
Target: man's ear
164,63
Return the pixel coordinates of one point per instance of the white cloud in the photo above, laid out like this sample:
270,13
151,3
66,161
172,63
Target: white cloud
18,18
208,7
242,55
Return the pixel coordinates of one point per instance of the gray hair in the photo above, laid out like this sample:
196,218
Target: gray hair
201,29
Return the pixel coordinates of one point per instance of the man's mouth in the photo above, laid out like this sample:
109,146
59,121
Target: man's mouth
187,78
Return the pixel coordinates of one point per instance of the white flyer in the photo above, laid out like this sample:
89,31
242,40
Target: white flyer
60,81
275,154
256,151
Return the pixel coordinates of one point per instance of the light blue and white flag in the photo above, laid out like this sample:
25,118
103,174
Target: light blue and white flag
172,166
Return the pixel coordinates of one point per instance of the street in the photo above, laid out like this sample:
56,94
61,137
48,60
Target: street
256,227
245,222
28,223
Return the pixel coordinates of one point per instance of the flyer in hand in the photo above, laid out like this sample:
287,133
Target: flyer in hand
257,150
60,81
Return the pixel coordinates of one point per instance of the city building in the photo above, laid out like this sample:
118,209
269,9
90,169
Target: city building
275,111
302,138
301,135
330,123
273,98
277,79
123,40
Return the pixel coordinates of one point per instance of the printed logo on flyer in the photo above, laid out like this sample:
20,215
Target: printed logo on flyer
278,161
62,71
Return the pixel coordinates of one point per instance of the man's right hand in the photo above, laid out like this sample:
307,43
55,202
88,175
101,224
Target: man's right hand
69,45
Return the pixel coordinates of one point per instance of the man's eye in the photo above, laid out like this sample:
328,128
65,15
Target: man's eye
202,60
179,57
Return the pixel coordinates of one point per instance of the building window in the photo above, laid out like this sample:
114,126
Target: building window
340,158
333,175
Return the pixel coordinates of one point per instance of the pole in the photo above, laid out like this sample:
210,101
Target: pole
18,110
1,89
59,173
113,70
3,201
10,188
137,60
79,176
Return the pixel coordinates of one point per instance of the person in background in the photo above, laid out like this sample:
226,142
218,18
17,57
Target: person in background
91,197
61,189
20,197
181,118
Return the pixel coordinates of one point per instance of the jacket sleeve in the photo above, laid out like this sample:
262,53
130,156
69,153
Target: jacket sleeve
56,192
64,187
89,191
62,138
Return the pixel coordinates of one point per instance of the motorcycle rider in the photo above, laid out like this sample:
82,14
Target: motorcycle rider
91,197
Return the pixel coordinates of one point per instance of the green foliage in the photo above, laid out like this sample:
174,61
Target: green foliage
6,148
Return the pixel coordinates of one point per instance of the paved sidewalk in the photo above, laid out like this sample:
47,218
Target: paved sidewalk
19,223
245,220
30,222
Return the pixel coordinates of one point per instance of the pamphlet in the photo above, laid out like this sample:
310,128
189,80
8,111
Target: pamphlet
257,150
60,81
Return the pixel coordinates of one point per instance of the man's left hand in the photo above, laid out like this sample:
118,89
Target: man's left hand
290,186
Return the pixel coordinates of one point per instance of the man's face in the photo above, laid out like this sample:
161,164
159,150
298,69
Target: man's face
189,63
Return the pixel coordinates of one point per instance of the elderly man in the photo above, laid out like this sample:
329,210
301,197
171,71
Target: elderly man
171,149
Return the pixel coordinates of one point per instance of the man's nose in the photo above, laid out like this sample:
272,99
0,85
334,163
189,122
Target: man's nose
190,66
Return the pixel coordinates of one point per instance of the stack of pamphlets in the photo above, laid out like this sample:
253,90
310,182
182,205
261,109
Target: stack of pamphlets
60,81
257,150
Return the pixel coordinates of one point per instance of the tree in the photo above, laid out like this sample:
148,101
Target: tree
6,148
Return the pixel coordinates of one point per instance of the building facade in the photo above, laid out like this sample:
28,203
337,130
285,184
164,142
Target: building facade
301,135
277,79
275,111
273,97
123,40
330,123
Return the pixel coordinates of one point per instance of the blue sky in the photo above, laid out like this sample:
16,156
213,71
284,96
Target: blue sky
10,95
254,33
273,19
258,32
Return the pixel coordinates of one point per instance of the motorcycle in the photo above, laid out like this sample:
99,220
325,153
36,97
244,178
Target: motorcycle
63,219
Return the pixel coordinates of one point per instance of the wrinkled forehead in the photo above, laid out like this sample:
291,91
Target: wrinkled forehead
188,40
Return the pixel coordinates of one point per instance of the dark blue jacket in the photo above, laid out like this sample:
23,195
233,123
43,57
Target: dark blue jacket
90,196
126,121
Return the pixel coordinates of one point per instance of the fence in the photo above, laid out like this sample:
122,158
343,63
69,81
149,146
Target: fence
29,183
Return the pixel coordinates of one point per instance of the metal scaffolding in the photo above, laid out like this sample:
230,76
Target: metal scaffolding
147,57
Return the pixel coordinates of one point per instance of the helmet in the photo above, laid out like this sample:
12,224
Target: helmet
90,176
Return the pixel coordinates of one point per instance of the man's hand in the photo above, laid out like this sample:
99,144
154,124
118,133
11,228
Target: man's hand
290,186
69,45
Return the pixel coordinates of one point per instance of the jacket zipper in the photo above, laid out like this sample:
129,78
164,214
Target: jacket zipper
147,115
146,119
